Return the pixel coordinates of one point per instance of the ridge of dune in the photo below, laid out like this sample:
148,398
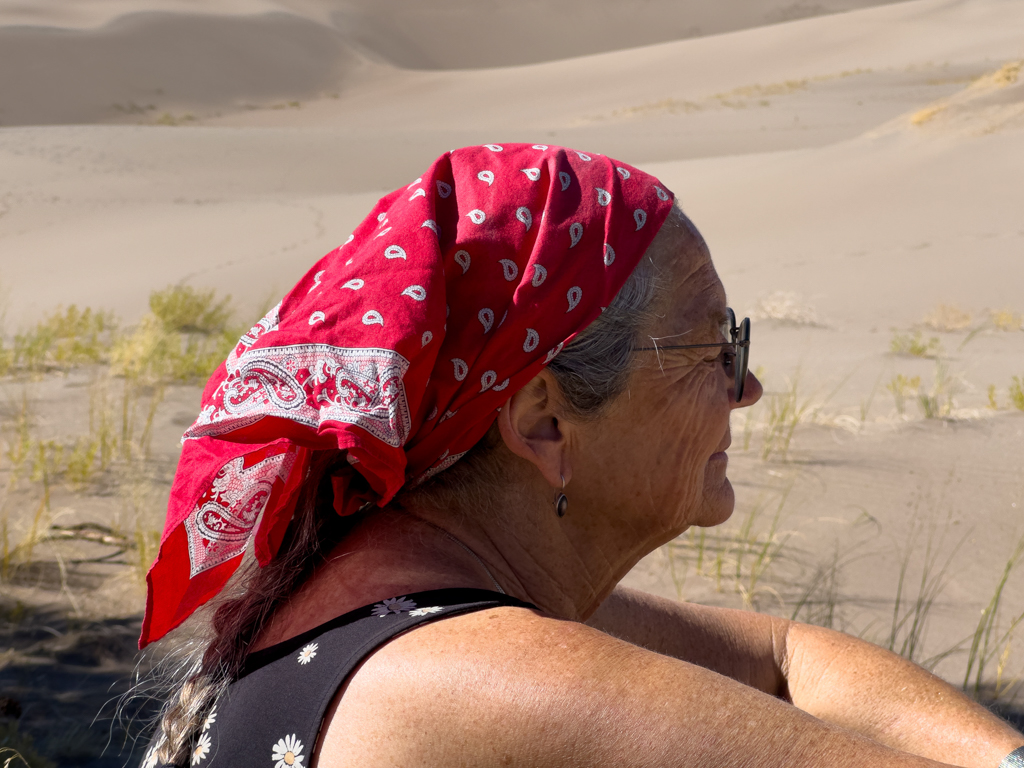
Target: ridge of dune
990,103
461,34
201,67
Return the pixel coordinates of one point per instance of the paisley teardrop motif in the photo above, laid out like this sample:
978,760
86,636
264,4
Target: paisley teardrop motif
488,380
565,179
623,173
394,252
317,317
510,269
533,174
316,281
463,260
443,188
540,274
486,176
477,216
603,197
532,340
524,215
354,284
426,338
417,193
486,318
575,233
574,295
494,147
417,292
661,193
609,255
640,217
461,369
373,317
431,224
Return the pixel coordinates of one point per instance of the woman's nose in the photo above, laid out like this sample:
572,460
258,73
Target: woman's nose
752,391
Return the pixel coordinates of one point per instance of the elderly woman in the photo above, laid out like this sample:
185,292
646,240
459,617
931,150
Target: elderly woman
446,446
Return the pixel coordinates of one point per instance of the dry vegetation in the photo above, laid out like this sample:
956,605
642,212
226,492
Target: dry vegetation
81,501
785,308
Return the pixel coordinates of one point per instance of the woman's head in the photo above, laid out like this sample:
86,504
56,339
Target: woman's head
639,435
400,346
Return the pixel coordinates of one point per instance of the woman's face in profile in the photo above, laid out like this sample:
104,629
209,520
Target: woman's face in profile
663,442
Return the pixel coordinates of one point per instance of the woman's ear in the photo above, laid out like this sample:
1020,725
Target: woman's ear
533,426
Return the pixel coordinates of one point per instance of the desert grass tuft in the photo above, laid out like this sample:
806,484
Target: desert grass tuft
993,404
914,345
785,308
910,621
939,402
1006,320
64,339
902,388
784,413
1017,392
948,318
183,339
988,640
737,556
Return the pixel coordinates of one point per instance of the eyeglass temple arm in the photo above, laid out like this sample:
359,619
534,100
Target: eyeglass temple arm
745,343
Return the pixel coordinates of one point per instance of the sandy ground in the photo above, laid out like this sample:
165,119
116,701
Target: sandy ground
853,166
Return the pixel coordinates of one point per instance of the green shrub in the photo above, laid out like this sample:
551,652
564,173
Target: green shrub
183,309
66,338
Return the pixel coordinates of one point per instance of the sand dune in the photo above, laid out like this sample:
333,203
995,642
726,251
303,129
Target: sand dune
126,68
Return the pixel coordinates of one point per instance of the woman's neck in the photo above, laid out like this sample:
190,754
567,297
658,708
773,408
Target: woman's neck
400,551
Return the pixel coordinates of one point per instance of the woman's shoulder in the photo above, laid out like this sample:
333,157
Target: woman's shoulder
485,676
505,686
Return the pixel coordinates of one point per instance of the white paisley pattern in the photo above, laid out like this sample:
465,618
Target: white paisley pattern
311,384
219,526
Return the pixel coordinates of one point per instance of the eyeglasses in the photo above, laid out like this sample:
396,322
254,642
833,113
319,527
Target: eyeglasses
737,358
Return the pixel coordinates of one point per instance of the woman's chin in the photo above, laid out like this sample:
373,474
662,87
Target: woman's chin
719,503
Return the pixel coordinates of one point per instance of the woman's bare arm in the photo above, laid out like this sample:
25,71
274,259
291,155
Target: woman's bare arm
510,687
827,674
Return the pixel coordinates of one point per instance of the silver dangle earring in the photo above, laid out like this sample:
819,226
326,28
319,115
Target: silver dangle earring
561,500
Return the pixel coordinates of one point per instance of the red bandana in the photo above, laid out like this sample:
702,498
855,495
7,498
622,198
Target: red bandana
399,347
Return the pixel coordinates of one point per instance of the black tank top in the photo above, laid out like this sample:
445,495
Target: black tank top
270,715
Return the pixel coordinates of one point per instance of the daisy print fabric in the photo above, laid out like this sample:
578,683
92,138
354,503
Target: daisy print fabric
398,347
